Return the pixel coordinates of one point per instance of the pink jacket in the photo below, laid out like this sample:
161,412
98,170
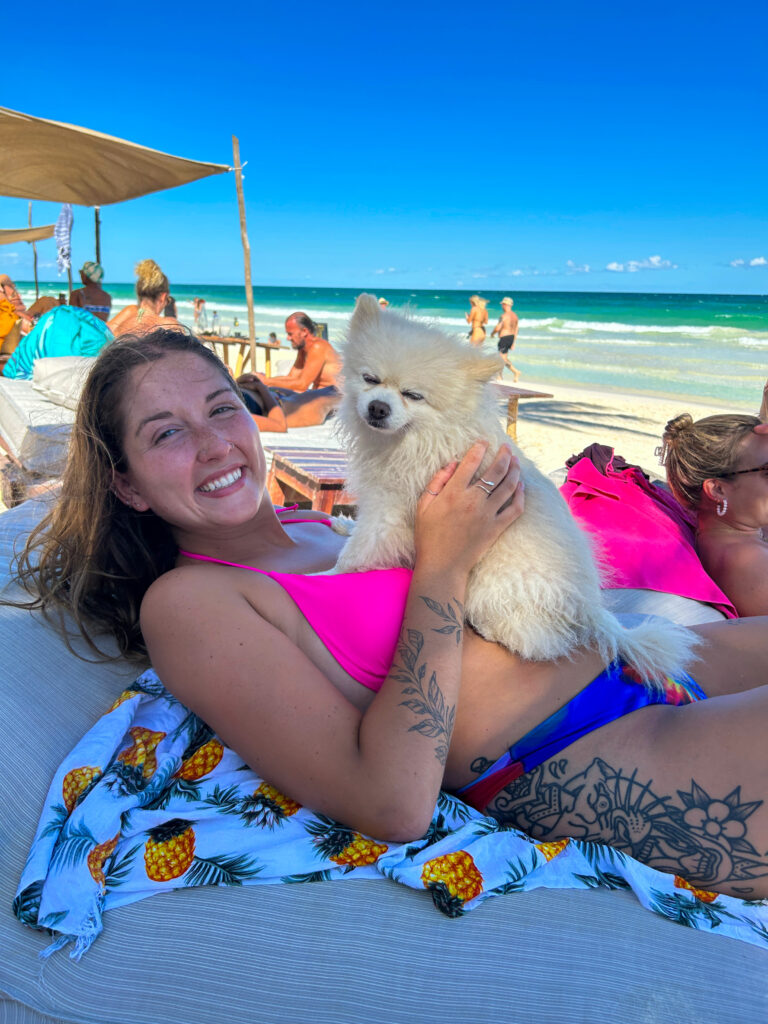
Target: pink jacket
644,535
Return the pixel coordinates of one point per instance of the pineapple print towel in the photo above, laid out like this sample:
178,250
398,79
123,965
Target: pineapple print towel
150,800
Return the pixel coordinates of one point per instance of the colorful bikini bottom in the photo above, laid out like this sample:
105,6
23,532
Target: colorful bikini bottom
616,692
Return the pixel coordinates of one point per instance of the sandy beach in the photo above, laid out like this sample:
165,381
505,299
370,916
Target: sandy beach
552,429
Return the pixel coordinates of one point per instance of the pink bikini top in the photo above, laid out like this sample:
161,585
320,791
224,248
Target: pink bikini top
357,615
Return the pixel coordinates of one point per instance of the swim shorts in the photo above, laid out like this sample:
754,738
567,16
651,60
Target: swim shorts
506,342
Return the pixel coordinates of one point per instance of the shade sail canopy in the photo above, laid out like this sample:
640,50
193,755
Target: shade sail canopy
10,235
61,163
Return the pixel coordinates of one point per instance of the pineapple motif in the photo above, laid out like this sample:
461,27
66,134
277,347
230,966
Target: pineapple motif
169,850
342,845
701,894
452,879
75,782
201,762
268,807
97,857
551,850
124,696
141,754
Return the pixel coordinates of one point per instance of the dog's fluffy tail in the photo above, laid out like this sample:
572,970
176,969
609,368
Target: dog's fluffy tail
656,648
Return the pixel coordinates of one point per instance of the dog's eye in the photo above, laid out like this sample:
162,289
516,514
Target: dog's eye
413,395
370,379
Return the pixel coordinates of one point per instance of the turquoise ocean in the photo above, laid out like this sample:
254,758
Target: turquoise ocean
708,347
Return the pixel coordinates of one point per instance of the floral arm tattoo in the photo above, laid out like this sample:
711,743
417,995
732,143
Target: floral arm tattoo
424,697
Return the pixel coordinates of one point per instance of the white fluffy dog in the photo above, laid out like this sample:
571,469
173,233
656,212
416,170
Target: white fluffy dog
415,398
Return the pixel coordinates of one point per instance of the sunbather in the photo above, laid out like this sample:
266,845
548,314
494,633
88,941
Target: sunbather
718,466
153,292
361,695
278,410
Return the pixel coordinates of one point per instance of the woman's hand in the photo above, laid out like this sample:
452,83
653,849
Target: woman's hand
461,513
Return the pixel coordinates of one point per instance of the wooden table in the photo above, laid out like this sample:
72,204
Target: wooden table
243,346
317,474
513,394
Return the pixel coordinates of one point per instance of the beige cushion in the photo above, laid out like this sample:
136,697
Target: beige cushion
60,378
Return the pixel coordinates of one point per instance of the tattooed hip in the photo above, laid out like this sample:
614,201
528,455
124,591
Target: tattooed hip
700,835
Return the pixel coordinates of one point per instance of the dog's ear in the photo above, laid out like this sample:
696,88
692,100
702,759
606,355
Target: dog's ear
367,311
484,368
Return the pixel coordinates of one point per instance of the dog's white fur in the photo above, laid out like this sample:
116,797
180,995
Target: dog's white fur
537,590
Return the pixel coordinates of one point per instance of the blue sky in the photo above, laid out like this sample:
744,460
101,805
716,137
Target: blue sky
606,147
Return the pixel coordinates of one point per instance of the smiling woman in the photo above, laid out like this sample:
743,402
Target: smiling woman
342,689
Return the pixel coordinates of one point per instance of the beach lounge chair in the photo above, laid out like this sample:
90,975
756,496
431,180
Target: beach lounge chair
341,952
36,418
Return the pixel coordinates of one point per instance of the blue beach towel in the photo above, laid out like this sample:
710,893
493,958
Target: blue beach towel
151,800
65,331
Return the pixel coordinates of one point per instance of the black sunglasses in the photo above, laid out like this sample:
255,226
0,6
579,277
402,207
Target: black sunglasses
755,469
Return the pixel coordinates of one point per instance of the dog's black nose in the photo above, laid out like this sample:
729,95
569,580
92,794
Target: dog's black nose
378,410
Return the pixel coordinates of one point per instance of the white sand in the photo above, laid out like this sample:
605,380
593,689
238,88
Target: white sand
550,430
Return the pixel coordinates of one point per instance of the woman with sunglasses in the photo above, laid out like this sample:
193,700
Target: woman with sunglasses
718,466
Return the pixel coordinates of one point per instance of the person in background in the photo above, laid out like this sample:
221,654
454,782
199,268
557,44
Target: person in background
9,293
718,467
477,318
383,302
170,307
273,339
152,291
92,297
317,362
199,314
506,329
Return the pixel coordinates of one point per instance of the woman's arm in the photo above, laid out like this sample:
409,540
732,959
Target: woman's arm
378,770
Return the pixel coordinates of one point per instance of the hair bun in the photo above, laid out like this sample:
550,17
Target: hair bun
677,426
150,276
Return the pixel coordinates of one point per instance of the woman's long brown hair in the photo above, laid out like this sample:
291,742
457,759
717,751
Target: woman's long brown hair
91,555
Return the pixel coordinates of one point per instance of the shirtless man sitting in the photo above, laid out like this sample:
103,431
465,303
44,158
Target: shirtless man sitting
310,383
317,363
506,329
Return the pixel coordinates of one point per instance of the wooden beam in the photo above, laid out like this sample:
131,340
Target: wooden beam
246,249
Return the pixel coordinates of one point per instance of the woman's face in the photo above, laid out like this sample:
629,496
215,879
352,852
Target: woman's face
747,493
192,449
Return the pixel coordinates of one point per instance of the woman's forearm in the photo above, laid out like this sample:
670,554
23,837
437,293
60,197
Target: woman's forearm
405,733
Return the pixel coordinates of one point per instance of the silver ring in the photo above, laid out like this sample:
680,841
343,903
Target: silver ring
487,491
488,483
434,493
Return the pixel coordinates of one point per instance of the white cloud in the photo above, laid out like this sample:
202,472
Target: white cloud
574,268
476,276
386,270
756,261
516,273
632,266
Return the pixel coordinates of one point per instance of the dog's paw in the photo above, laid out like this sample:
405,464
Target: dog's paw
343,525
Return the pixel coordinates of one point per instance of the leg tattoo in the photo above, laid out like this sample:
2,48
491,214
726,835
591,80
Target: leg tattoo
694,834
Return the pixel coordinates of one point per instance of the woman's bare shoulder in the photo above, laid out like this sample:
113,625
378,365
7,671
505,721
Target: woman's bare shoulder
184,586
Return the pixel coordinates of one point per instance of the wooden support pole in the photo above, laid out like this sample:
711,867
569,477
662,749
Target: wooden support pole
97,226
246,249
34,257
